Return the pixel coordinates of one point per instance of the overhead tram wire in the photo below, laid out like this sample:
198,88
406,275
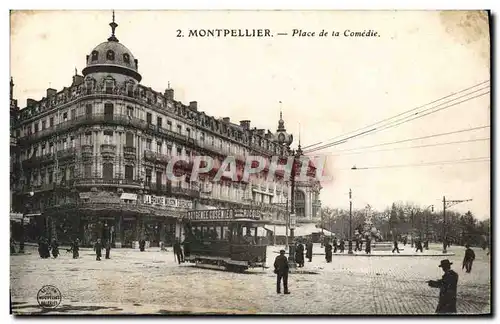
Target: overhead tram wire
398,115
399,122
414,139
471,160
409,147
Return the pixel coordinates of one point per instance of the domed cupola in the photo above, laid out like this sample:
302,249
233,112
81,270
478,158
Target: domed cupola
112,57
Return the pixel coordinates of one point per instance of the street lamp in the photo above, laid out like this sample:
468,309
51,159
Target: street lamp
350,223
21,242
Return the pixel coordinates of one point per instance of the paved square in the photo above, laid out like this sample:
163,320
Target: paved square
151,282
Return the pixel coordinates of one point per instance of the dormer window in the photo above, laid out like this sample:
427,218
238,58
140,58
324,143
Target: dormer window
95,55
110,55
126,58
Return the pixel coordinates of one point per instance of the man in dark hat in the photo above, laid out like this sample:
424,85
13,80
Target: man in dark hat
98,250
55,248
468,259
299,254
281,271
328,252
447,289
309,250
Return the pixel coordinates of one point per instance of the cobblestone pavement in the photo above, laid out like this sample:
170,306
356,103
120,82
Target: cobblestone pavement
152,283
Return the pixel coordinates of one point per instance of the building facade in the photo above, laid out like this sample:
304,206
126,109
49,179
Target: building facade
95,156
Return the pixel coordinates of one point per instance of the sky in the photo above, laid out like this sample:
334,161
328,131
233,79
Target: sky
328,86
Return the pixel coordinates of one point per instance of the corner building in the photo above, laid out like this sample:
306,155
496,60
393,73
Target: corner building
95,155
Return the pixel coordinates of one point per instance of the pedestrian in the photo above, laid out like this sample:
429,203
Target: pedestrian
98,250
75,248
328,252
368,248
178,251
142,245
360,244
447,289
108,248
335,245
468,259
281,270
309,250
43,248
342,246
12,246
395,246
418,245
55,248
187,247
405,240
299,255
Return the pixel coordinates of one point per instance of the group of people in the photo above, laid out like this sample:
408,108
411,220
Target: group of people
299,253
98,246
45,248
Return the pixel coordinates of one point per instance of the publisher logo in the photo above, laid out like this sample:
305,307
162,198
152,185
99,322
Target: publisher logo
48,297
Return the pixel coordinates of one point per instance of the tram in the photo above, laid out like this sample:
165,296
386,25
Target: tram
225,239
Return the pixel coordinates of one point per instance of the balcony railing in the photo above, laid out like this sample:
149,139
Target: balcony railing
66,154
129,151
157,187
186,192
87,150
108,149
156,157
106,182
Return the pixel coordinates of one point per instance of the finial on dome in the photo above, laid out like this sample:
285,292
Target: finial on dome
113,26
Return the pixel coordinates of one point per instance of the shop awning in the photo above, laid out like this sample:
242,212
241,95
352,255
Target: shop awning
278,230
128,196
308,229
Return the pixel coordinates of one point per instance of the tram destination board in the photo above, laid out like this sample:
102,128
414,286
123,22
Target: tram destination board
219,214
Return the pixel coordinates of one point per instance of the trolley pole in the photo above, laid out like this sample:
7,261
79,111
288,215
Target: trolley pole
291,246
448,203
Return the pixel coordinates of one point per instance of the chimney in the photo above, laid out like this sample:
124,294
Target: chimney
77,80
169,94
51,92
193,105
30,102
226,119
245,124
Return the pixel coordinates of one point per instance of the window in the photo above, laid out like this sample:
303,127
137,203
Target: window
126,58
43,124
51,177
158,147
179,129
158,121
129,139
43,149
130,111
36,127
109,87
108,137
73,114
108,111
110,55
87,170
107,171
149,118
148,144
169,125
64,144
148,177
129,172
71,172
158,179
179,151
202,137
72,141
95,55
88,138
88,109
51,121
188,131
65,116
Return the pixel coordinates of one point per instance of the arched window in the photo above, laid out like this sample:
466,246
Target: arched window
126,58
110,55
95,55
300,202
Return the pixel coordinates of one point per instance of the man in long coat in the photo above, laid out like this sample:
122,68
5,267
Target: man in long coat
178,251
328,252
447,289
281,270
468,259
299,254
55,248
98,250
309,251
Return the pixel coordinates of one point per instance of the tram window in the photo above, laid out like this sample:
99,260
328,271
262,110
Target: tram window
218,232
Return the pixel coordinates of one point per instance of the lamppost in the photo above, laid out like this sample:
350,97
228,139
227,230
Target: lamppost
292,219
350,223
26,206
431,207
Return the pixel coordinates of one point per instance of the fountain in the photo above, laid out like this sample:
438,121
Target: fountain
374,234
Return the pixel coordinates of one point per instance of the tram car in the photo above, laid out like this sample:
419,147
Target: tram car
225,239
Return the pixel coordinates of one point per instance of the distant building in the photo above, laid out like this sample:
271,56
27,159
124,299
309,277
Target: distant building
95,156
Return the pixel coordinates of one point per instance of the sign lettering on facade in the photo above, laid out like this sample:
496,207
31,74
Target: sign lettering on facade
169,202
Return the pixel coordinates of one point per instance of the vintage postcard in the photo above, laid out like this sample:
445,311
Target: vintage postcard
250,162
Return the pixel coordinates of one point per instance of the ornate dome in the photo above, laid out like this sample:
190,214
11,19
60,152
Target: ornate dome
112,57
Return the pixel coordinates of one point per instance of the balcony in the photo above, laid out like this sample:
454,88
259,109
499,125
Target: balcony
95,182
155,157
66,154
87,151
129,152
108,150
158,188
186,192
